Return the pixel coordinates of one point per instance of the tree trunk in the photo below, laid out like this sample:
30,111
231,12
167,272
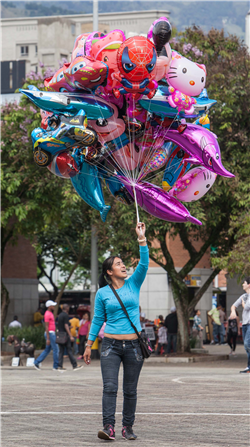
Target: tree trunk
183,335
180,294
60,294
4,305
6,235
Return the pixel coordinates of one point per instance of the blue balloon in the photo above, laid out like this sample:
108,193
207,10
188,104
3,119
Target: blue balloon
69,103
88,185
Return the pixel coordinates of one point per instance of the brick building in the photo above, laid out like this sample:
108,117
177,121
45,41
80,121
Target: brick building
19,273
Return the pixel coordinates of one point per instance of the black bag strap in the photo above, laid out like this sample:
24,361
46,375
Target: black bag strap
124,310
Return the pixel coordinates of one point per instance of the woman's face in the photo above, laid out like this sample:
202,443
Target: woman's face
198,313
86,316
118,269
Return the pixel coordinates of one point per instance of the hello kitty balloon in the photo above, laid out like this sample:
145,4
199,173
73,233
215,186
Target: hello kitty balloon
193,185
186,76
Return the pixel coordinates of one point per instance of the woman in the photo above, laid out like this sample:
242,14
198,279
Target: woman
233,329
83,333
120,343
197,328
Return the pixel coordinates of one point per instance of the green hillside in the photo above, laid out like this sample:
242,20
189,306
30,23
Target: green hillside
217,14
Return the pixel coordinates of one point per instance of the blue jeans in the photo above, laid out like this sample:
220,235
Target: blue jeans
75,346
246,339
112,354
53,345
218,329
172,338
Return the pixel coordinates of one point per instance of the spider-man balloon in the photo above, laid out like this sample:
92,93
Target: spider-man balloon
136,59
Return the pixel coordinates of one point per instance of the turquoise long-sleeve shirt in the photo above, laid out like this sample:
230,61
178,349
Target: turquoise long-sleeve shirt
107,303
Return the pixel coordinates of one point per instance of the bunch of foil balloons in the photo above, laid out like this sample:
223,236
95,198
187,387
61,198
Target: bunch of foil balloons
116,113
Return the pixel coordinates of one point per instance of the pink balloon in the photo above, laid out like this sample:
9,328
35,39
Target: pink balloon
193,185
186,76
127,157
110,128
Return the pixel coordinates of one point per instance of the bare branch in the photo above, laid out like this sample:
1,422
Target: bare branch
46,290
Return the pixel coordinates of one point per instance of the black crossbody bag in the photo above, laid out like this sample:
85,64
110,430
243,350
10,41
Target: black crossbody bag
144,341
61,338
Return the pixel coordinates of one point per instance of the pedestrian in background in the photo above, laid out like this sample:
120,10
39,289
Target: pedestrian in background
83,333
158,320
63,326
233,330
171,323
244,301
197,328
74,327
222,317
162,338
38,318
50,336
217,329
15,322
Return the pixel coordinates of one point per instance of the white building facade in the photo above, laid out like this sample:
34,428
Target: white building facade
49,39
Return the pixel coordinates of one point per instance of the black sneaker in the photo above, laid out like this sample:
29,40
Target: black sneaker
37,367
77,367
108,433
246,370
127,433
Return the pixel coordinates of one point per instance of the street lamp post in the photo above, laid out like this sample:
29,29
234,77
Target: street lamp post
95,15
94,248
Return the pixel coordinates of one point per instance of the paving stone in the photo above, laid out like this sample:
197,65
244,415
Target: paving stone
179,405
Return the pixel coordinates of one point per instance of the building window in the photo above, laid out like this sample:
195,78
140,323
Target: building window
73,29
24,51
36,50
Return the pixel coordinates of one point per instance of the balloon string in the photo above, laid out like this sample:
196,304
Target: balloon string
136,206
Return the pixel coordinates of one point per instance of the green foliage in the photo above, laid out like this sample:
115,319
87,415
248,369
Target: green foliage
193,342
64,243
237,261
29,333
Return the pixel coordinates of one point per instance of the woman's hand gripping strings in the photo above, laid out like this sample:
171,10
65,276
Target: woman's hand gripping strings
140,231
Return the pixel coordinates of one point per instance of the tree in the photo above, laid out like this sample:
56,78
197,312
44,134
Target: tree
65,245
31,197
237,261
228,68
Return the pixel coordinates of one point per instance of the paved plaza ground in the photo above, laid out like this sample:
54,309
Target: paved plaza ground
191,405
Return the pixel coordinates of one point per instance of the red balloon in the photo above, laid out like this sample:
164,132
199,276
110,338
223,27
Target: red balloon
136,59
63,165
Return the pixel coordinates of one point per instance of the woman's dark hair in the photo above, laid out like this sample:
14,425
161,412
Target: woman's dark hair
196,311
247,279
104,279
